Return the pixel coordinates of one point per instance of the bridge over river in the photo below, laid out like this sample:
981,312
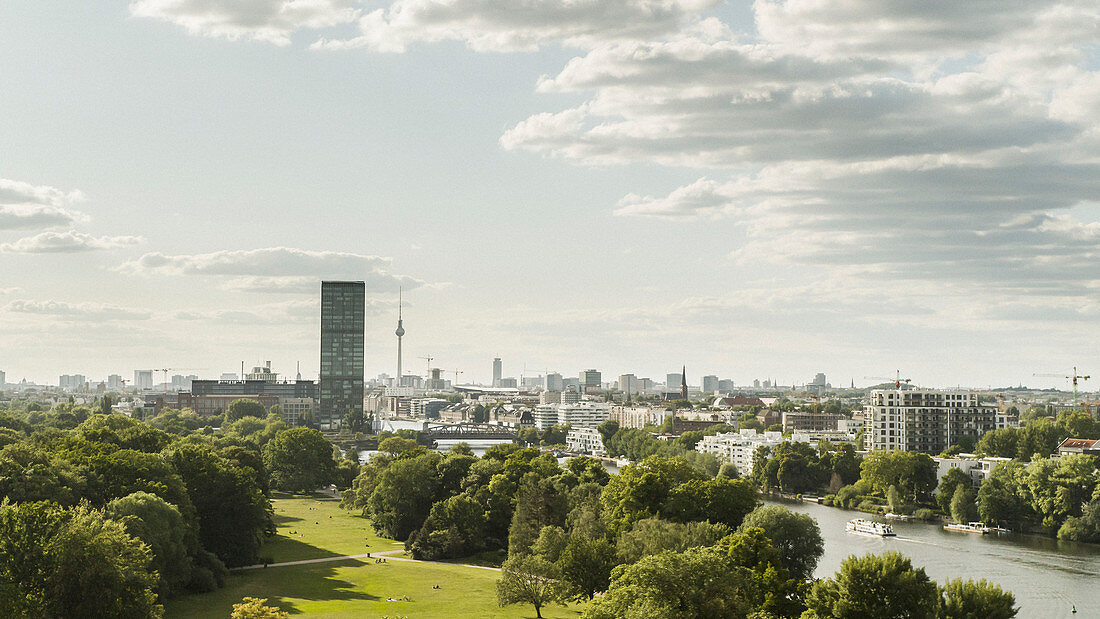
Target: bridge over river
437,431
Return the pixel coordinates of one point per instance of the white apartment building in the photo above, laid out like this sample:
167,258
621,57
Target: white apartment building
738,447
639,416
978,469
586,441
579,415
924,420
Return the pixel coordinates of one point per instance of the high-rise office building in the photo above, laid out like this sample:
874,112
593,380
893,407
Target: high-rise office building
496,372
143,379
3,379
628,383
590,381
114,382
710,384
672,382
342,307
553,382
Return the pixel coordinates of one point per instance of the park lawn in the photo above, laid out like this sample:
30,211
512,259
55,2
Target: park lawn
351,587
360,588
314,526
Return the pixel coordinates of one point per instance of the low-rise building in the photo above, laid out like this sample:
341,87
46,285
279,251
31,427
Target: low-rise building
639,416
1072,446
978,469
739,447
795,421
585,441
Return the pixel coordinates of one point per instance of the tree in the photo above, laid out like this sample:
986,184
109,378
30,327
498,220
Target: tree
233,512
57,562
396,445
181,564
962,504
697,583
883,586
244,407
913,473
1083,529
654,536
796,537
539,503
973,600
455,528
946,490
586,565
403,495
749,422
729,471
529,579
772,591
256,608
1000,497
299,460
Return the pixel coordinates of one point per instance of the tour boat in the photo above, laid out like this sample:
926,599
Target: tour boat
869,527
970,527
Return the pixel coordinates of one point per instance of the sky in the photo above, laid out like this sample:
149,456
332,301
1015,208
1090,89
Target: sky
757,190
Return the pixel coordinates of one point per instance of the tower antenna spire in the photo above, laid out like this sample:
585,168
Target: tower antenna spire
400,332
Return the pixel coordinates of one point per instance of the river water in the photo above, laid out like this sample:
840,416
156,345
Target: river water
1047,577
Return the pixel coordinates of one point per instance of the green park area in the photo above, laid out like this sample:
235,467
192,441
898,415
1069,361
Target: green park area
316,528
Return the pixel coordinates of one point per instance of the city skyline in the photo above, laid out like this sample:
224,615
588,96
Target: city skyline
627,190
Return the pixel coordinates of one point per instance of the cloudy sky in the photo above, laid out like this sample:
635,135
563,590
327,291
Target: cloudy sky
756,189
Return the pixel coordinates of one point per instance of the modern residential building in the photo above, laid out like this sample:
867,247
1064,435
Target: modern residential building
426,408
710,384
924,420
978,469
638,416
739,447
570,396
579,415
497,371
114,382
553,382
550,397
342,309
585,441
810,422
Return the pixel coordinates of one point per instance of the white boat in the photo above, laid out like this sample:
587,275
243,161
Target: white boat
869,527
893,516
970,527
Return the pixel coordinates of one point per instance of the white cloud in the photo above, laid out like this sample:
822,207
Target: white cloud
518,25
276,269
67,243
26,207
77,311
271,21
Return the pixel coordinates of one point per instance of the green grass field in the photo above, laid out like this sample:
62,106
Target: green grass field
351,587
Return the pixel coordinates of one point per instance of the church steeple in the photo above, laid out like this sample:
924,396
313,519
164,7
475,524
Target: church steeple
684,383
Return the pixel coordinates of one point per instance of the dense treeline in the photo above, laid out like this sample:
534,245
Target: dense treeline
104,515
662,538
637,445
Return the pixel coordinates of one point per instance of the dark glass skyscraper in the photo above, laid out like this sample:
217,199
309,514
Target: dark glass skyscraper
342,305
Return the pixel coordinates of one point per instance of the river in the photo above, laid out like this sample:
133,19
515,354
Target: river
1047,577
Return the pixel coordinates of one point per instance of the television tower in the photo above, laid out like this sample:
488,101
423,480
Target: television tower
400,332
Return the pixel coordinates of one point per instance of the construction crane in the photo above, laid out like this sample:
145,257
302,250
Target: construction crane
1073,378
457,372
166,370
429,360
898,380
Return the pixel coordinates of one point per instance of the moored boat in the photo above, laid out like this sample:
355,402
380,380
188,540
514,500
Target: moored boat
969,527
869,527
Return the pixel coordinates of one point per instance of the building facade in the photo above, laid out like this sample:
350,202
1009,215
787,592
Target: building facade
585,441
591,381
497,371
739,447
924,420
341,389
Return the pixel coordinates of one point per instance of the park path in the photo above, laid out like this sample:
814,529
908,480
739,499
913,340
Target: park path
387,554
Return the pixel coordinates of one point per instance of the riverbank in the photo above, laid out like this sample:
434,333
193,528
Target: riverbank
1047,576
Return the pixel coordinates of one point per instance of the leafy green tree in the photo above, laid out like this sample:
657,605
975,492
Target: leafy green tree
750,422
244,407
1085,528
181,564
946,490
586,565
233,512
396,445
893,500
529,579
719,500
57,562
796,536
555,434
914,474
403,495
588,470
256,608
697,583
1001,499
976,600
1039,437
455,528
641,490
962,504
771,591
299,460
883,586
654,536
539,503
